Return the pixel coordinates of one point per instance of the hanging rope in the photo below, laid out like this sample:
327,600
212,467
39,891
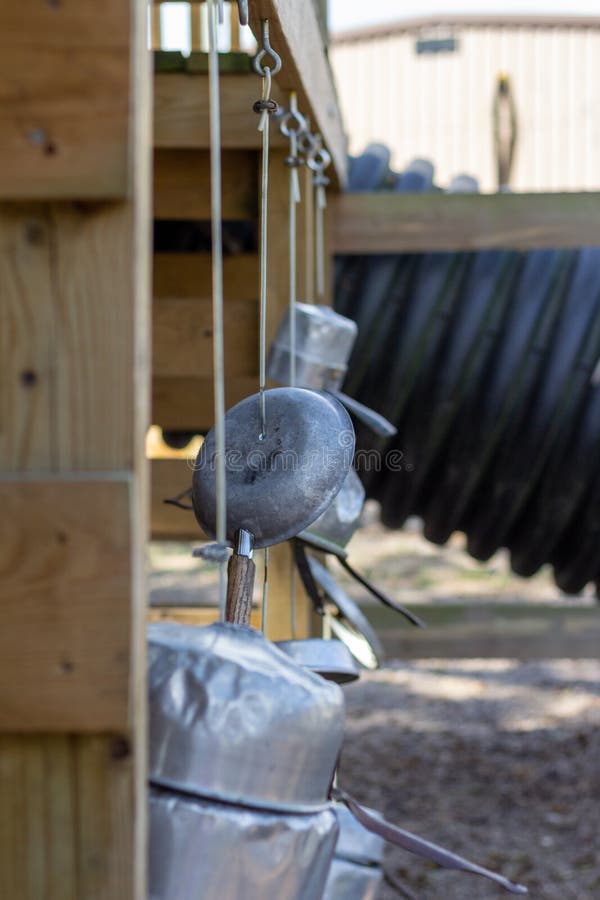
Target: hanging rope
214,10
265,107
318,160
291,126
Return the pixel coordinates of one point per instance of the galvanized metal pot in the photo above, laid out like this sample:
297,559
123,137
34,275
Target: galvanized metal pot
243,747
203,850
234,718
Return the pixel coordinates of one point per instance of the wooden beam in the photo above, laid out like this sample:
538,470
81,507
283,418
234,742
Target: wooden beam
194,615
74,346
189,275
181,111
65,551
182,184
64,117
296,36
183,338
186,404
414,223
65,823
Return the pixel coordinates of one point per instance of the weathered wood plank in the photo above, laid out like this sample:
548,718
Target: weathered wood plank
67,337
181,111
74,343
296,36
183,338
182,184
65,825
64,113
187,403
65,581
412,223
189,275
194,615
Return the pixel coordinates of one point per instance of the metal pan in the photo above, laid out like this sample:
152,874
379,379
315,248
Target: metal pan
280,482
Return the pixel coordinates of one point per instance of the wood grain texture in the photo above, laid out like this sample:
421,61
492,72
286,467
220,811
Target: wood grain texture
65,826
183,338
181,111
74,392
182,184
187,403
64,404
65,582
418,223
187,275
64,112
296,36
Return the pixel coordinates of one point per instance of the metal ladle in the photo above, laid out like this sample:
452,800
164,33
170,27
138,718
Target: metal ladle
278,482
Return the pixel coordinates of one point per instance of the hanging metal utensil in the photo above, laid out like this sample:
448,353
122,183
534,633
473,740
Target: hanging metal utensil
323,343
280,481
330,659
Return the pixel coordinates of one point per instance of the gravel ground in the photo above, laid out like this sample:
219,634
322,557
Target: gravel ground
494,759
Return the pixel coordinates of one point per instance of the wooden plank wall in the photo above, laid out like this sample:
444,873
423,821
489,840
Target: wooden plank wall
182,324
74,403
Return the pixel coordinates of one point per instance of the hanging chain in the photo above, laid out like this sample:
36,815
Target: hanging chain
265,107
217,293
318,160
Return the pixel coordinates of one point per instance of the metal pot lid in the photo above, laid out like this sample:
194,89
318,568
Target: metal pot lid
330,659
277,486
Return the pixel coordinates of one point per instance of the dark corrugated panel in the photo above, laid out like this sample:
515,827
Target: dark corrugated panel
484,362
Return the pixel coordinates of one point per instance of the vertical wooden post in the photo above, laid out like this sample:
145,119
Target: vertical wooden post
74,401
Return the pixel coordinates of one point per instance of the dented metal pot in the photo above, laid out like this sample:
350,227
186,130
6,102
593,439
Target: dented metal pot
235,719
202,848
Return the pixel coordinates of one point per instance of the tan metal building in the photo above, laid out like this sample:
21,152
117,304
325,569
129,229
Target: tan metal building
425,87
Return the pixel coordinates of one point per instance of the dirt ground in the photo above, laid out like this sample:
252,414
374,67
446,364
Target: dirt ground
494,759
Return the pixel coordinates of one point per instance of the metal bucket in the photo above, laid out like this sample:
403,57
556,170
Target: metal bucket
235,719
324,341
203,849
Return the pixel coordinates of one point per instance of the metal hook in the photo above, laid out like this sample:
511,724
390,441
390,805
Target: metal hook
292,117
266,50
306,139
318,158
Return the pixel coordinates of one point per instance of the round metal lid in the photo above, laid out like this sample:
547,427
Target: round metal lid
279,483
